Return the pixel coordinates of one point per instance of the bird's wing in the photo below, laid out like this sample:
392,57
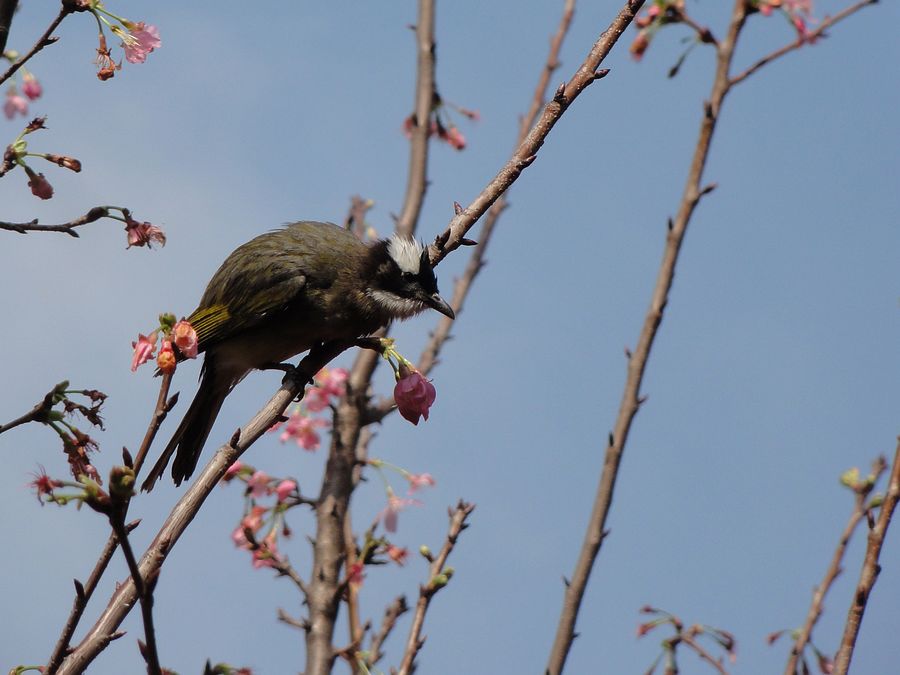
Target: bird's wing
246,309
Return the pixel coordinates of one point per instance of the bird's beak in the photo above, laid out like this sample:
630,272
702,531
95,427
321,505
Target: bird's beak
437,302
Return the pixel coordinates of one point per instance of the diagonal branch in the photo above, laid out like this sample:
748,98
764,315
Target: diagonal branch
860,509
631,399
43,41
637,364
869,574
589,71
809,38
438,577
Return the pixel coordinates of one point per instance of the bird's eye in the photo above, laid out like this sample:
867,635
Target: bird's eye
407,275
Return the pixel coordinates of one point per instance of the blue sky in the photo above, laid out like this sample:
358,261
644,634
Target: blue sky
775,369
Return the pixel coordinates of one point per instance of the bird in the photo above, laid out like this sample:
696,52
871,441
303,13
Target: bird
284,292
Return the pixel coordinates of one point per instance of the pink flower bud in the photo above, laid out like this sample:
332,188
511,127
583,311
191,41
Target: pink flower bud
31,87
414,395
166,360
40,186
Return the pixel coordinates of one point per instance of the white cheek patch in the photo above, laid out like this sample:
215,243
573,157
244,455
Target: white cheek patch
407,253
393,304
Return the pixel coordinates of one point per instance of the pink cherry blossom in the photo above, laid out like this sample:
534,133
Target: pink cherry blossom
285,489
143,234
266,555
392,510
419,480
185,339
397,554
143,350
140,41
15,104
258,484
414,395
302,428
31,87
329,383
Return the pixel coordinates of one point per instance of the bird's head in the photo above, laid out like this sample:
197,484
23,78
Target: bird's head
400,279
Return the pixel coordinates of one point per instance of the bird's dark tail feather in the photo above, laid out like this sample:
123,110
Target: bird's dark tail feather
191,434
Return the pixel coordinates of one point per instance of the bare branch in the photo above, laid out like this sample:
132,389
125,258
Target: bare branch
834,569
438,577
393,612
637,364
43,41
144,589
870,569
527,151
826,23
68,228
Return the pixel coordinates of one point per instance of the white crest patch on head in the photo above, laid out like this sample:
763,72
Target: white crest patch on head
406,252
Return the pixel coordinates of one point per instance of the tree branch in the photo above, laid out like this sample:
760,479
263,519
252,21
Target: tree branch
438,577
631,399
826,23
95,213
860,509
43,41
393,612
870,569
453,237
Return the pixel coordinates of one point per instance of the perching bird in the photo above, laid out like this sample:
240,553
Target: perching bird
284,292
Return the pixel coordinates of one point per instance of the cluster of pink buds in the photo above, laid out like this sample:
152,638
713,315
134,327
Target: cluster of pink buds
798,12
16,103
257,517
301,426
176,335
441,124
17,151
139,40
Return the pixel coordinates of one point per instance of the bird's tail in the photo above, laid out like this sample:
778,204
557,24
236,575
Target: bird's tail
191,434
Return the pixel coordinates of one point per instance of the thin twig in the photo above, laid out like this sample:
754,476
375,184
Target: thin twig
143,589
42,42
393,612
589,71
437,580
68,228
186,509
826,23
703,654
870,569
860,508
163,405
83,594
38,413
